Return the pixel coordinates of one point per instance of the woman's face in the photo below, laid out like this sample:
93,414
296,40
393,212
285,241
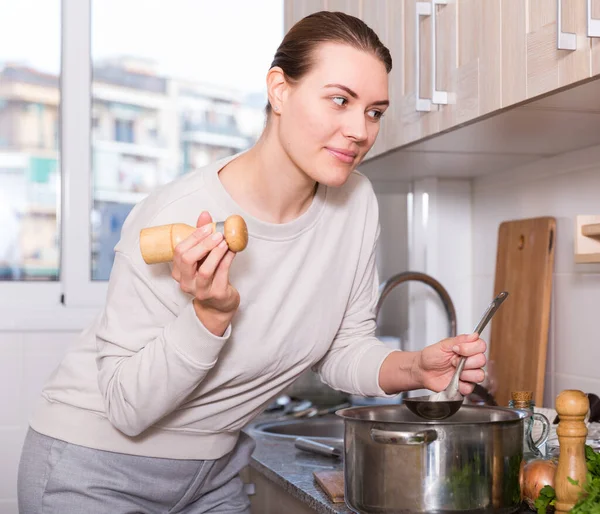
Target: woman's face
331,117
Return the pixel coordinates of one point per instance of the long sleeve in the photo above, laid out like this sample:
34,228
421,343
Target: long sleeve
151,353
354,359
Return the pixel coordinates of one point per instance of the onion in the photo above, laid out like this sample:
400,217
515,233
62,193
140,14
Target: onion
534,475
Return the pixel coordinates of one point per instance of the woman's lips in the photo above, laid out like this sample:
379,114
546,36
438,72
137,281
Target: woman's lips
343,155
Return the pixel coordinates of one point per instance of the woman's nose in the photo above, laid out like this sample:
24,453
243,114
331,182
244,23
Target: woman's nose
356,127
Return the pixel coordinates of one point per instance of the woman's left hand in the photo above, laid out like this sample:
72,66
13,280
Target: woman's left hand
436,363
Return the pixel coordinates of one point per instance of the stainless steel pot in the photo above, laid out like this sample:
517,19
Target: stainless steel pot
396,462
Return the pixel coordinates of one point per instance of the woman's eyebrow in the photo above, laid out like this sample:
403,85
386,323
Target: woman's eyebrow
354,95
345,88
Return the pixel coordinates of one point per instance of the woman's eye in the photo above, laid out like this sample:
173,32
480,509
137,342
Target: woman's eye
339,100
375,114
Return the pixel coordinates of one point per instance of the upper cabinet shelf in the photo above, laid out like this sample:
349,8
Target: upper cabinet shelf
461,61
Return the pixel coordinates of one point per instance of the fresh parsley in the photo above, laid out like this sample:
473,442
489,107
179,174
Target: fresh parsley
589,503
547,498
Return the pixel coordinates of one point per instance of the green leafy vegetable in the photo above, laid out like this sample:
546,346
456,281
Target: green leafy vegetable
590,500
589,503
547,498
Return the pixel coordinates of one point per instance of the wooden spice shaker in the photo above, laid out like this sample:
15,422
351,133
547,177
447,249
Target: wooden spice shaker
157,244
572,407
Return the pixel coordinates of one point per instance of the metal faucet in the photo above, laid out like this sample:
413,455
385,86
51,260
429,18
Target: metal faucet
386,287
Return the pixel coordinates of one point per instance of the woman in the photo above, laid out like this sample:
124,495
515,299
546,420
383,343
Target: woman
145,413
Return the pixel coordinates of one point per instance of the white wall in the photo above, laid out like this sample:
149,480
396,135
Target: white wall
26,360
392,256
563,187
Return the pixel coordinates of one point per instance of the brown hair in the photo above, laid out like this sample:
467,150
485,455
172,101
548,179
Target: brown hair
295,53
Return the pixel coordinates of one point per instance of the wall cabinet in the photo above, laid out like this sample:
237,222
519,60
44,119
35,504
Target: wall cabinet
458,60
545,46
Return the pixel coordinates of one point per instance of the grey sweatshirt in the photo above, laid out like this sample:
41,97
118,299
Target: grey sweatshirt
147,378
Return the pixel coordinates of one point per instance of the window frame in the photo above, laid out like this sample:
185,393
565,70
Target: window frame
70,302
79,290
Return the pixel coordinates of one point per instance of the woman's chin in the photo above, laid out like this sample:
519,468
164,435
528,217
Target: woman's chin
333,177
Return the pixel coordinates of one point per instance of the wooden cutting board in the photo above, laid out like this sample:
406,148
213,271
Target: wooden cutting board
519,331
332,482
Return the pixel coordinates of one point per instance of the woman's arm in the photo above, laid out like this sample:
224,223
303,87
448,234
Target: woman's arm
432,367
358,363
151,353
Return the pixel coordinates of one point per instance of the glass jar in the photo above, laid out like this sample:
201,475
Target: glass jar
532,449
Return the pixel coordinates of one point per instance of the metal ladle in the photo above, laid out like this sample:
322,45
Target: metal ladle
444,404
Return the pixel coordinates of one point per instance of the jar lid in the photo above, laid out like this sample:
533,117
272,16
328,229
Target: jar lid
521,398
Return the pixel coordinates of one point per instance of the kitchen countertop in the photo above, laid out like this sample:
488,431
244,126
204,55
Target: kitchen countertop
292,469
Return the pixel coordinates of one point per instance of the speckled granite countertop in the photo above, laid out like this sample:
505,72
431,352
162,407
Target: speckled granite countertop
282,463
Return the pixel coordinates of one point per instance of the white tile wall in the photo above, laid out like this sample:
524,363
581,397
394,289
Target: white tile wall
576,332
563,187
441,247
392,256
26,360
11,371
12,441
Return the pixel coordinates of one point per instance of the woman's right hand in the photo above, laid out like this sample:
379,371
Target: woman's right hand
201,265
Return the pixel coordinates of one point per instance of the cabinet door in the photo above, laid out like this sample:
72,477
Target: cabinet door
532,63
392,124
353,7
295,10
574,65
417,122
271,498
489,38
467,60
375,14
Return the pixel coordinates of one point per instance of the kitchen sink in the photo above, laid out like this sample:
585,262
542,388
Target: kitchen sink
326,427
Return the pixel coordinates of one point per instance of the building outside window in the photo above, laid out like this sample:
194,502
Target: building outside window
29,141
177,96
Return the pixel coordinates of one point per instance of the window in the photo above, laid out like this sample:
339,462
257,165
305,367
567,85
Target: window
124,131
180,94
29,140
102,101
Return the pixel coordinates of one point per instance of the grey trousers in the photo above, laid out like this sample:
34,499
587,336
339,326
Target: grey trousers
56,477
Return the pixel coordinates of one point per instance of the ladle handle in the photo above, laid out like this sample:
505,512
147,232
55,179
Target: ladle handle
485,319
491,310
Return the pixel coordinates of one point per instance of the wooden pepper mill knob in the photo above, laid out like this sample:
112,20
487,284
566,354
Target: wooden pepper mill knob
157,244
572,407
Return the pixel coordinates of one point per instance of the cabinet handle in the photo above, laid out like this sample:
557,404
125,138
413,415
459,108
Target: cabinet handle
592,23
564,40
437,96
423,9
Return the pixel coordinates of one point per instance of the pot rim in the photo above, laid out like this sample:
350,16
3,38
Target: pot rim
520,415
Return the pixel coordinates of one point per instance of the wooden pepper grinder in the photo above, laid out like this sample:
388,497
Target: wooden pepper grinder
157,244
572,407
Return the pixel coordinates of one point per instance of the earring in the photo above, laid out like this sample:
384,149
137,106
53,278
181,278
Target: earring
275,108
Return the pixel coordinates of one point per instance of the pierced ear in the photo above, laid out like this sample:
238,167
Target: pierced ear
276,87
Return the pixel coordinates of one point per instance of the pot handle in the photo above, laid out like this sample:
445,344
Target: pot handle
407,438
